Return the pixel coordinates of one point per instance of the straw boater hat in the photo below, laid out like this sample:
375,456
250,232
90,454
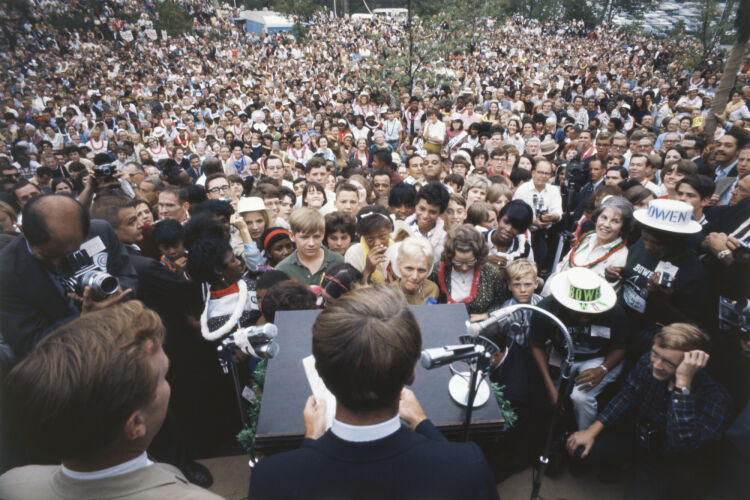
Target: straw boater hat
582,290
547,147
671,216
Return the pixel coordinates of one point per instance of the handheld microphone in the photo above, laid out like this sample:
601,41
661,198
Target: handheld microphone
256,334
440,356
504,315
257,340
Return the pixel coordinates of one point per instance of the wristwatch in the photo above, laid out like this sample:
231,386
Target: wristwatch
723,254
682,390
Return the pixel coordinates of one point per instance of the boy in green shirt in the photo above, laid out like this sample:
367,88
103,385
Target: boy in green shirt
309,263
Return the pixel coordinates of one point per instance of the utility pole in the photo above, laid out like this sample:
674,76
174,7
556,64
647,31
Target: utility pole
411,47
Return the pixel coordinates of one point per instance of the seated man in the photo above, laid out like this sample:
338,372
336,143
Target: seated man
585,302
366,346
674,412
93,394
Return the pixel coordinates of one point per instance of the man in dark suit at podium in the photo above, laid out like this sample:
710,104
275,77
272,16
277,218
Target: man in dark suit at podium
366,347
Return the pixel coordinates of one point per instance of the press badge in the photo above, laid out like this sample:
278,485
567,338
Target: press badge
600,331
634,297
93,246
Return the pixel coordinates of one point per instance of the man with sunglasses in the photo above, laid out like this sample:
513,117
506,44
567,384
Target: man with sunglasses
666,419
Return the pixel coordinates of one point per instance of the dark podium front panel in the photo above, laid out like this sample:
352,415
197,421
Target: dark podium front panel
280,425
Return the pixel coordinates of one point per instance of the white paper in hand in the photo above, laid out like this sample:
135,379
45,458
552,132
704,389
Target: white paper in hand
319,389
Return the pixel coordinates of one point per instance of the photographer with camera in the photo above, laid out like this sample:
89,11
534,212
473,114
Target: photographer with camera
545,201
663,280
666,419
45,282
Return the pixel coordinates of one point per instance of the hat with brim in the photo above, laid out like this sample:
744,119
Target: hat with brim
548,147
671,216
250,204
158,133
582,290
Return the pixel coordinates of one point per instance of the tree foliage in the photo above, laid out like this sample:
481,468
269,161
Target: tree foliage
173,18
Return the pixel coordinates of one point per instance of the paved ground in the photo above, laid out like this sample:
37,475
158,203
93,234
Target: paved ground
232,477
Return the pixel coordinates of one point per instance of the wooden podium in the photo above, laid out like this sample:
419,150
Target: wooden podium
280,425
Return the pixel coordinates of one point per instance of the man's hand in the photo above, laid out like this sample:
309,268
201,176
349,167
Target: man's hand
612,273
588,379
314,416
716,242
655,290
583,438
90,304
691,363
410,410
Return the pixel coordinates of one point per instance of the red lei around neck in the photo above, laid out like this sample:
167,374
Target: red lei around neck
444,288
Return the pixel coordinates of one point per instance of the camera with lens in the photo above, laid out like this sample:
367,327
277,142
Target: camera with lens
86,273
647,435
106,170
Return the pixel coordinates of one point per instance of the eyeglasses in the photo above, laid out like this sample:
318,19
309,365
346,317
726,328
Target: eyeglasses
219,189
468,263
667,363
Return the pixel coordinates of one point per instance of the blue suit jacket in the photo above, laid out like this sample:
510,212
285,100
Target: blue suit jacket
404,465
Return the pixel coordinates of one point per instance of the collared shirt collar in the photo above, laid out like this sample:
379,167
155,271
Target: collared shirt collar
724,172
131,465
365,433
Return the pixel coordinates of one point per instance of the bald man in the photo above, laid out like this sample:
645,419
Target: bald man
33,301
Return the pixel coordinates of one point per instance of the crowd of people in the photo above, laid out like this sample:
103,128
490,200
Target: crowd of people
221,179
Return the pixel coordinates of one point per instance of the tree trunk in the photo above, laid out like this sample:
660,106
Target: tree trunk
731,68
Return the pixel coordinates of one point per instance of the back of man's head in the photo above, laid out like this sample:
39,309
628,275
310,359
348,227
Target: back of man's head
366,346
73,394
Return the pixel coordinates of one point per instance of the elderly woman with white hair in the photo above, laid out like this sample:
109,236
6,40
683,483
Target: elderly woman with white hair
414,262
605,246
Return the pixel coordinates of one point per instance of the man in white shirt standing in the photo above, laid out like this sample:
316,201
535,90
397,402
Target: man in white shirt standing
546,202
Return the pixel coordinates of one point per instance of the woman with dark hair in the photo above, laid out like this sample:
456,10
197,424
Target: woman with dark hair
230,303
511,240
464,275
338,280
61,185
605,246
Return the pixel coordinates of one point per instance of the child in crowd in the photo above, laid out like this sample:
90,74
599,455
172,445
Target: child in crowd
309,263
339,232
169,238
371,255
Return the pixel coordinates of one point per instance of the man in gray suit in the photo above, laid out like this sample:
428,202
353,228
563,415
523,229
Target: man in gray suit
93,394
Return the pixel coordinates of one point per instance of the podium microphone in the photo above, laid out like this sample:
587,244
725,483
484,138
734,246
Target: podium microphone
504,315
440,356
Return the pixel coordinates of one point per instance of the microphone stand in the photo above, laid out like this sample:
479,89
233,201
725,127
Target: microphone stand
474,369
227,360
562,391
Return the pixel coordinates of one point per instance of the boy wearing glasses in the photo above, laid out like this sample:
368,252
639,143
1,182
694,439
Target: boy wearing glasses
666,418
